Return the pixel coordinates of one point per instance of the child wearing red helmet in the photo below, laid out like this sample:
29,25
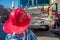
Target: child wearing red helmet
17,26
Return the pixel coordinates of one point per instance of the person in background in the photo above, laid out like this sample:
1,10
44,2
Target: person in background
17,25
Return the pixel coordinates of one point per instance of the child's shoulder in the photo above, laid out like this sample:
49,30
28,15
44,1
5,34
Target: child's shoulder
31,35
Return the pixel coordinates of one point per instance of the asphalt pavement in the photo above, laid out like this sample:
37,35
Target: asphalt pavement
46,35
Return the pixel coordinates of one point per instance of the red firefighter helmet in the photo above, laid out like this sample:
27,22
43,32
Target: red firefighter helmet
18,22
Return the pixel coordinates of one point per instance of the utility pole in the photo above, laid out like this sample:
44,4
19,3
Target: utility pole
13,5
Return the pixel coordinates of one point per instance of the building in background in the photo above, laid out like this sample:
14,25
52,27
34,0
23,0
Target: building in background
4,13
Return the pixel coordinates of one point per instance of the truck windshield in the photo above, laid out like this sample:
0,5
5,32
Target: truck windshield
42,2
23,3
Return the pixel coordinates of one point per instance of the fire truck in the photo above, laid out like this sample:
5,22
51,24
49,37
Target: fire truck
44,12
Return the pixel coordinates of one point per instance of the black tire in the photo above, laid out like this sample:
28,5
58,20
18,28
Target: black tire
47,28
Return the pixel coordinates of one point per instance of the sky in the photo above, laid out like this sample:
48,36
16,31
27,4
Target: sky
8,3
